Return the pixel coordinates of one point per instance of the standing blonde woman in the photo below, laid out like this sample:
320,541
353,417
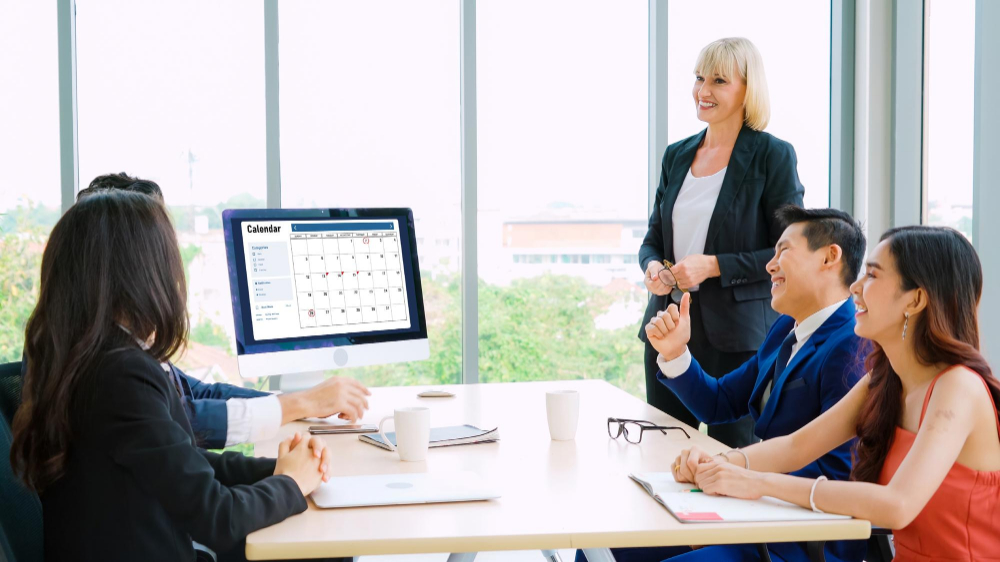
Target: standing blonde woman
714,222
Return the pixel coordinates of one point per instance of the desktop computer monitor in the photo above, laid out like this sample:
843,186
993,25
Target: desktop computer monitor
318,289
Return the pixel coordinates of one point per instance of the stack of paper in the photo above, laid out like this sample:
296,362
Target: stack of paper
443,436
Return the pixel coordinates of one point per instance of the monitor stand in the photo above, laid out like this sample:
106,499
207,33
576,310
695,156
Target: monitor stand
298,381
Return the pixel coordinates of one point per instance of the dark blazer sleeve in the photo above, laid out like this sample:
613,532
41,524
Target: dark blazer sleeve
147,442
206,409
218,391
712,400
781,187
233,469
652,244
209,421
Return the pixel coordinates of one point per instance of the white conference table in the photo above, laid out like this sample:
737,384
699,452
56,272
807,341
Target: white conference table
555,494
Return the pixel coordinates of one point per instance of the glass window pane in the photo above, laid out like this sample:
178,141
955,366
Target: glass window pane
30,194
562,94
794,40
175,93
949,55
370,118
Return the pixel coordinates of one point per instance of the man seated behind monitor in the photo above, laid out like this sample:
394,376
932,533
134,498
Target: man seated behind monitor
223,415
809,360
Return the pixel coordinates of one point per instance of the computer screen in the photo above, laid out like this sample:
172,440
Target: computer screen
317,289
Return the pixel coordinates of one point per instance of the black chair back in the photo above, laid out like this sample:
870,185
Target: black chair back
21,516
10,390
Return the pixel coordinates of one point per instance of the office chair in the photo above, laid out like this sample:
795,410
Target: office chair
10,390
880,547
21,516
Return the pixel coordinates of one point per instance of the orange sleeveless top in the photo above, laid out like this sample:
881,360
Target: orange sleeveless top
962,519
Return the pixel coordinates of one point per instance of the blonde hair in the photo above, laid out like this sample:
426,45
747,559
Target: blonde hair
737,56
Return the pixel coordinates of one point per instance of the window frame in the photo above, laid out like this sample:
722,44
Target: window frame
848,30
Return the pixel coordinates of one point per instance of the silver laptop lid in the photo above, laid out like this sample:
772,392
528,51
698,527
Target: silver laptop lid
399,489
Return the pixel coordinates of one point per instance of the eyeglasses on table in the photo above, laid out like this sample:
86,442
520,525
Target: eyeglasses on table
634,429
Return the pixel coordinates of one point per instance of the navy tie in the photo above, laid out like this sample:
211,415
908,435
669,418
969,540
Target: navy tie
784,355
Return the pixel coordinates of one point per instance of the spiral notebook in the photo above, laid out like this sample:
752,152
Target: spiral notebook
442,436
690,505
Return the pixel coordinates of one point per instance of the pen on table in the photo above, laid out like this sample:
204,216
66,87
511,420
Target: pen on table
694,491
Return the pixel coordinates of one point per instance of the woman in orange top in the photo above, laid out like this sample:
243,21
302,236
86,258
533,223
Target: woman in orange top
927,458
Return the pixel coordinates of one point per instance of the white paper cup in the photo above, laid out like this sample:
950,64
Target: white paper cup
413,433
563,410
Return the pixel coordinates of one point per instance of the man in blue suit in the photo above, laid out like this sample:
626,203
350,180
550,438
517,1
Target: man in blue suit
809,360
222,414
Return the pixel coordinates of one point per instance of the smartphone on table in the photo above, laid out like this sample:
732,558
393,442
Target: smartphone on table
335,429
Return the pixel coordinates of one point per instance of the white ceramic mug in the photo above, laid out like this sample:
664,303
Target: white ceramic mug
413,433
563,410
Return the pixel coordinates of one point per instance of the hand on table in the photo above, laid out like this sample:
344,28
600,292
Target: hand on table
335,395
307,462
694,270
725,479
652,279
670,330
686,464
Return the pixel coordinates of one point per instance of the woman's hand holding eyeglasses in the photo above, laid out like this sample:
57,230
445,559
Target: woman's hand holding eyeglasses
652,279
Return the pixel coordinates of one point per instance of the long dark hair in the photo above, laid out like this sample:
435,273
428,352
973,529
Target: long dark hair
111,261
944,264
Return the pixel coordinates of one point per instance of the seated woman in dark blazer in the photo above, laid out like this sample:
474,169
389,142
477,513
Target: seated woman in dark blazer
102,433
714,217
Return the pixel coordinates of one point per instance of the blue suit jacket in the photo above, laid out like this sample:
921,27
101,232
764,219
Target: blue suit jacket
205,405
823,370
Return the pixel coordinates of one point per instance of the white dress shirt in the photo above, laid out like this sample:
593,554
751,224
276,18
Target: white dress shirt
677,367
248,419
693,212
252,419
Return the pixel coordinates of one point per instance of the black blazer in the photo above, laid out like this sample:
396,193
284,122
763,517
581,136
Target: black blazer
137,488
762,176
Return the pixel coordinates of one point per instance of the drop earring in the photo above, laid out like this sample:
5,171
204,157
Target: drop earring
905,323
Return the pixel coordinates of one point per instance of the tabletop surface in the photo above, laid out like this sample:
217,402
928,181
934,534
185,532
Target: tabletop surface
555,494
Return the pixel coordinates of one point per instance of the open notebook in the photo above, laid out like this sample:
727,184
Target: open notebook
443,436
695,507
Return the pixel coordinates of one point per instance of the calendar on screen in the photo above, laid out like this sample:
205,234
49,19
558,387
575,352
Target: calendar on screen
352,277
324,277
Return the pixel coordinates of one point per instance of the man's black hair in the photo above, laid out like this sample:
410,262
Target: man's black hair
829,226
123,182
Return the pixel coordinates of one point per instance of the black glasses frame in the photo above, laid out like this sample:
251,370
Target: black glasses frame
643,426
676,293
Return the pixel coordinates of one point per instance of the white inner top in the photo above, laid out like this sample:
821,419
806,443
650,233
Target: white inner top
692,213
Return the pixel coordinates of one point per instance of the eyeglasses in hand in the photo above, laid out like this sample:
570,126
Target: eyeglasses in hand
633,429
666,277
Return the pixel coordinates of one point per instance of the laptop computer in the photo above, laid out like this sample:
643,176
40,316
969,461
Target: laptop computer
400,489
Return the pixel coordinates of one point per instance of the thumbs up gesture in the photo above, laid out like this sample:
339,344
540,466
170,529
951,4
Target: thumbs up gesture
670,330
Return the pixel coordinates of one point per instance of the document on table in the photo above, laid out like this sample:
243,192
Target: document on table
690,506
443,436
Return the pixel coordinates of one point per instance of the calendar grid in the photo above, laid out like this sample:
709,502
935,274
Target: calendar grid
348,278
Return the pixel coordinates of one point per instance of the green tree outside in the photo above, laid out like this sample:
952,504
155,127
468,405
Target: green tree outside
22,240
541,328
537,329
